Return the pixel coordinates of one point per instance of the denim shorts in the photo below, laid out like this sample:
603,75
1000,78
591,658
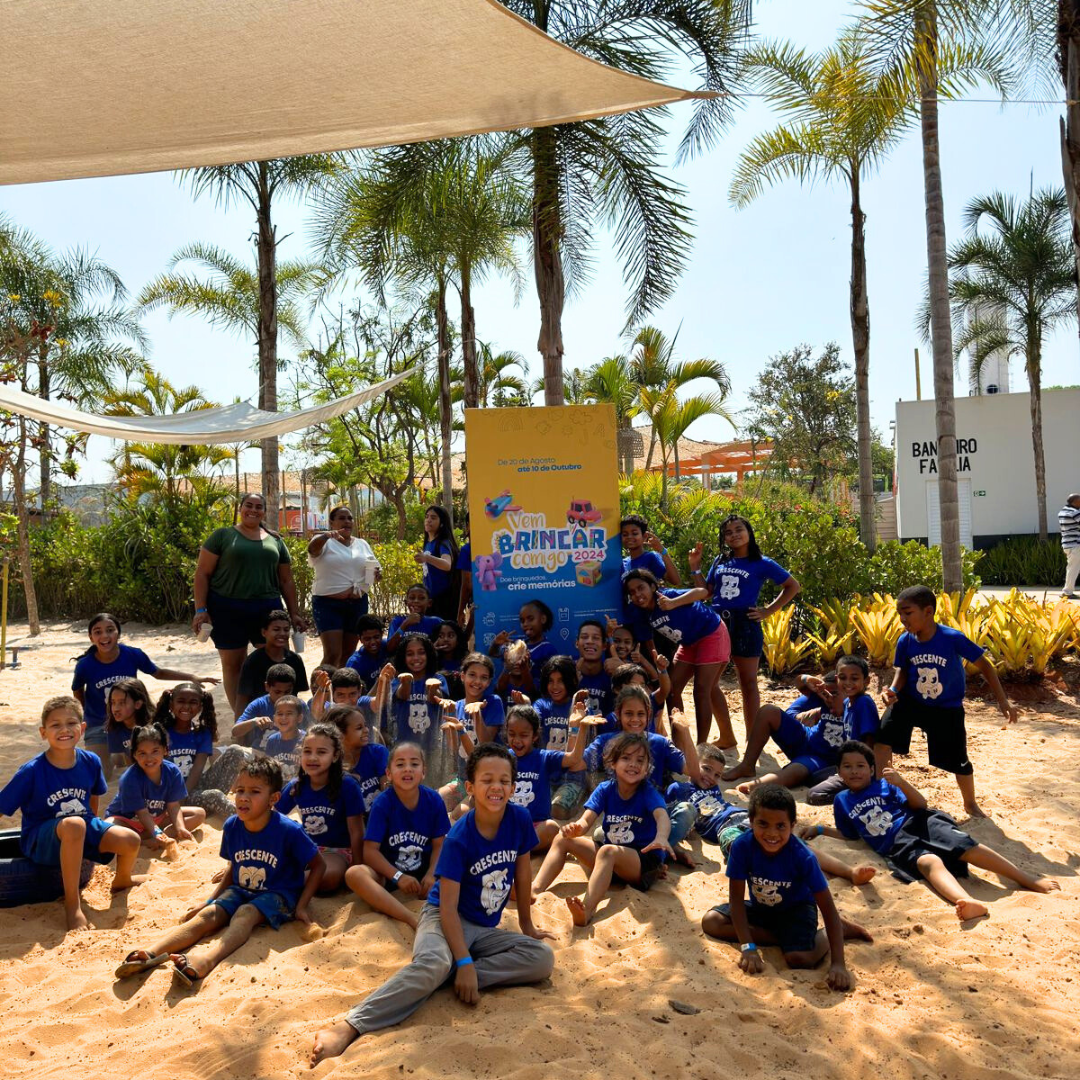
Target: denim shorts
238,623
334,614
43,845
747,636
277,908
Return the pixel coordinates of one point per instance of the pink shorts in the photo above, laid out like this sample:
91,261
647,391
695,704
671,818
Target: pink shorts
136,824
344,852
714,649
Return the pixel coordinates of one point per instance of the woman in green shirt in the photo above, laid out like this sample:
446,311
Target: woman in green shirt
243,572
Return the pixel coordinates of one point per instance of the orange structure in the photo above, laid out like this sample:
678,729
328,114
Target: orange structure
722,459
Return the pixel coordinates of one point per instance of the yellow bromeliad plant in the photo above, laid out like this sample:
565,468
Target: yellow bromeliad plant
831,645
1021,631
781,653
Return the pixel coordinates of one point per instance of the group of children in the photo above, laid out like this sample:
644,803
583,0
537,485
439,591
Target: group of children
420,771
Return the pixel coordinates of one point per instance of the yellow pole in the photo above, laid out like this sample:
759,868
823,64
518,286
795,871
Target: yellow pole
3,616
918,378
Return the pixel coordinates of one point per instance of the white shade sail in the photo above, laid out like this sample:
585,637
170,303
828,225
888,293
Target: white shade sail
226,424
104,87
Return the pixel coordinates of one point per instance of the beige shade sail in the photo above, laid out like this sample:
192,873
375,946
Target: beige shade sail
237,423
104,87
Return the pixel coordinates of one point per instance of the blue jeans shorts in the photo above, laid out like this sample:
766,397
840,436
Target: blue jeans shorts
332,613
747,636
43,845
277,908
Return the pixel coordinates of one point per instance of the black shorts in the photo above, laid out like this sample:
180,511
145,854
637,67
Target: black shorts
946,736
652,865
747,636
794,926
929,832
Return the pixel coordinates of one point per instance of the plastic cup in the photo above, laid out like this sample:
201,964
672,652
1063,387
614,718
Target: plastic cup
204,632
298,641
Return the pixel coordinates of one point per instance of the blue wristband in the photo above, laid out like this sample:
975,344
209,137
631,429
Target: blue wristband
821,830
465,961
200,611
751,947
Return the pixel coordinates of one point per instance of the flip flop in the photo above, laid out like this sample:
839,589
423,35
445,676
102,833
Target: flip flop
184,973
132,965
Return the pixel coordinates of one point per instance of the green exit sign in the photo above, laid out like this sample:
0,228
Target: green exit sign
982,493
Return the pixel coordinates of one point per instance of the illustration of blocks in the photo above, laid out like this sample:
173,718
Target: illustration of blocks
588,573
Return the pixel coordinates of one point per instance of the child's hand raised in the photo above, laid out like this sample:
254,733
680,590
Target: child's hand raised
611,665
662,662
388,672
612,625
693,558
890,776
475,709
501,638
839,978
889,695
518,698
406,677
664,603
433,684
654,542
751,962
678,719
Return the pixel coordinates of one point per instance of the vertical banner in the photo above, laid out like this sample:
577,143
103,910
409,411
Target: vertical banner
543,517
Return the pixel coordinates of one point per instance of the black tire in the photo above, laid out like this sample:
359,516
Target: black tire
24,882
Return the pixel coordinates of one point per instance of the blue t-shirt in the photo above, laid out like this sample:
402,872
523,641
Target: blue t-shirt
464,558
611,721
804,703
414,719
263,706
685,625
875,814
118,738
649,560
325,821
286,752
713,810
736,583
791,876
406,837
43,792
484,868
859,721
536,772
628,822
599,687
539,654
184,747
271,860
138,792
493,716
428,624
554,723
94,678
370,771
367,666
666,756
935,668
436,580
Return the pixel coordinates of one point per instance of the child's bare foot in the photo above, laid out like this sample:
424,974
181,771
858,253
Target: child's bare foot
683,857
854,932
738,771
577,911
970,909
973,809
332,1042
747,788
121,883
860,875
1045,884
76,919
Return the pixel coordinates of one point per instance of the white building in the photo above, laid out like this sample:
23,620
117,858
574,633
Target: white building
995,465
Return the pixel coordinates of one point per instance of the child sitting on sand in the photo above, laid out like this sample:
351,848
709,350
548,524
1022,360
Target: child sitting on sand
365,760
787,889
263,882
917,841
284,745
57,792
484,854
635,831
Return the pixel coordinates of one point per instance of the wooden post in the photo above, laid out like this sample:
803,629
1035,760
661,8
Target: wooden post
918,378
3,614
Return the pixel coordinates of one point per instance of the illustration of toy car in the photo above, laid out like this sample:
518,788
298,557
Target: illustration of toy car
581,512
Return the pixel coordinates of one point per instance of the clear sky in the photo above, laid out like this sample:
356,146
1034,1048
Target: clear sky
759,281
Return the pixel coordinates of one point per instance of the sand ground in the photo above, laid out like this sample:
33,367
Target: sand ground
997,998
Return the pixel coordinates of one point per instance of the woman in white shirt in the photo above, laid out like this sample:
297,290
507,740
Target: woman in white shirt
345,568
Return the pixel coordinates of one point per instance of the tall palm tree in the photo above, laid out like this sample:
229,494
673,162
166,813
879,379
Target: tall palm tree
842,120
500,385
607,170
1013,37
1011,286
260,184
613,381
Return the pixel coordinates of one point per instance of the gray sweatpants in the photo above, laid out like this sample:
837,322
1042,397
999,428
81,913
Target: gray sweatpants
502,958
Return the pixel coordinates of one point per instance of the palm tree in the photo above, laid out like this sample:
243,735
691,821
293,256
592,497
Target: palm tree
613,381
1011,286
1068,53
843,119
607,170
259,183
1012,37
500,387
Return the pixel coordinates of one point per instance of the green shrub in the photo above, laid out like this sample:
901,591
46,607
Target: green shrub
399,571
1024,561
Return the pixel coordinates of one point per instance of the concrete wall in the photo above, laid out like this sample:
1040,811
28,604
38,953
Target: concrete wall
994,441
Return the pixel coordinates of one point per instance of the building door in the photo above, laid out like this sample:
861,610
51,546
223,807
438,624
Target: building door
933,511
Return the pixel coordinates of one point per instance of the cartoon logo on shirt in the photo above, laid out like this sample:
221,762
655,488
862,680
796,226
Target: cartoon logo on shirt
670,632
252,877
709,805
410,856
523,793
69,807
729,587
315,824
765,891
495,890
877,820
419,720
833,732
184,763
620,832
929,684
557,738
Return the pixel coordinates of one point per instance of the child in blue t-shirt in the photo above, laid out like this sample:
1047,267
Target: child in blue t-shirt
927,691
416,620
558,687
451,646
364,760
106,662
127,706
636,675
438,558
152,792
521,670
916,841
57,792
403,839
714,816
813,739
646,551
267,856
787,889
284,744
484,855
416,693
590,643
370,655
330,803
635,831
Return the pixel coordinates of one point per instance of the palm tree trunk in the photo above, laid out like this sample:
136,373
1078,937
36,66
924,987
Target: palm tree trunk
1034,374
860,339
926,42
22,532
1069,58
547,261
468,342
443,330
677,477
266,244
45,446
